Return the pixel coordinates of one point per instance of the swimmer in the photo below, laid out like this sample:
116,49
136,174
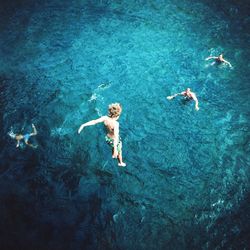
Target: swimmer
188,95
219,59
19,137
112,126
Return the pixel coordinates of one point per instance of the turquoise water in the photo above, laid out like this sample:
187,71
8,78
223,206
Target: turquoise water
186,184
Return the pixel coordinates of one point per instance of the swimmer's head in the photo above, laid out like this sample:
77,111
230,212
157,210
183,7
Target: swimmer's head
115,110
188,90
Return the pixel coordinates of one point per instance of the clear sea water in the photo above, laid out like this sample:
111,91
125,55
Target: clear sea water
186,184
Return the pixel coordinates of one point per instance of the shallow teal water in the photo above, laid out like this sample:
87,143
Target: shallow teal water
63,63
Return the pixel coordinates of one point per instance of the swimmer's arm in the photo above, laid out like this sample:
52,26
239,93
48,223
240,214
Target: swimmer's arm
181,93
178,94
116,137
227,62
211,57
18,143
196,102
173,96
91,123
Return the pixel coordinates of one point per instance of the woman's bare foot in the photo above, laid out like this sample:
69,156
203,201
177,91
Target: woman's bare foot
122,164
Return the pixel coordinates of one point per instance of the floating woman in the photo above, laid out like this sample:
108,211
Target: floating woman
25,137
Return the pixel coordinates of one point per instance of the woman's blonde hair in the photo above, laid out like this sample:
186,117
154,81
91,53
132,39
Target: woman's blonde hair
115,110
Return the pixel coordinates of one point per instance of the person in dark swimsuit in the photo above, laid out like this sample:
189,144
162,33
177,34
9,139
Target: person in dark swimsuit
188,94
219,59
26,137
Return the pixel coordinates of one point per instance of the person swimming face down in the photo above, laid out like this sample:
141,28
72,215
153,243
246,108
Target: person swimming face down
219,59
188,94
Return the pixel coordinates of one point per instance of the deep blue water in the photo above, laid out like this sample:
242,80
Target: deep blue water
187,180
